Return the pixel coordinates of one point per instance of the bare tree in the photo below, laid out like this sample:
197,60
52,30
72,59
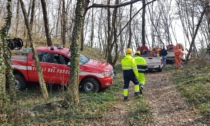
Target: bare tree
92,29
196,31
32,14
109,33
58,19
129,28
17,17
39,71
63,26
46,23
143,22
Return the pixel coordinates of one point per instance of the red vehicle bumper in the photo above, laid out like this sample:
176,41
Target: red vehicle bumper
106,82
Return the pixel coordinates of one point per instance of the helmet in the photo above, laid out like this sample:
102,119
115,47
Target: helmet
137,53
128,51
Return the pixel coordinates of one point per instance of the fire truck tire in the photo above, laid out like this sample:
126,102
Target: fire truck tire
20,83
90,85
159,70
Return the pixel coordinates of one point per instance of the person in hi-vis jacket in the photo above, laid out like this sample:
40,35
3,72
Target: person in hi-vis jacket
130,73
142,67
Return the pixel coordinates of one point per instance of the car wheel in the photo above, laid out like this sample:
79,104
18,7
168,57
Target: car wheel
90,85
20,83
159,69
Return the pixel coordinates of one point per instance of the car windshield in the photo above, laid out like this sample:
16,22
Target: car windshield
83,59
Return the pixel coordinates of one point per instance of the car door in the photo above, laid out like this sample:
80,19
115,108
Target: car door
54,68
32,72
61,73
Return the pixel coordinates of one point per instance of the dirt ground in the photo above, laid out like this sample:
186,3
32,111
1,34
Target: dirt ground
168,107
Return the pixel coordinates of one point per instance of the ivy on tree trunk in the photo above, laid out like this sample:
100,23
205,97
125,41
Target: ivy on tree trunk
5,58
72,96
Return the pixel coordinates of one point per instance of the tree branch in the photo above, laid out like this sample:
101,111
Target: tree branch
112,6
134,16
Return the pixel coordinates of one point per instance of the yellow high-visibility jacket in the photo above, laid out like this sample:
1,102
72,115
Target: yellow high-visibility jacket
141,63
128,63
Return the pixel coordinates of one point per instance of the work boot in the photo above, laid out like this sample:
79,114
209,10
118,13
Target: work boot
137,94
125,98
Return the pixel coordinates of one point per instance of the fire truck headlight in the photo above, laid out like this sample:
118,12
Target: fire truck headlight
105,73
108,73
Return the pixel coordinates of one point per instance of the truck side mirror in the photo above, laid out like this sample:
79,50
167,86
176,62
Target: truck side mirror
69,64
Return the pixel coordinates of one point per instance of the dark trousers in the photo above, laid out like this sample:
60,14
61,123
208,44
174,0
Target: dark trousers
128,76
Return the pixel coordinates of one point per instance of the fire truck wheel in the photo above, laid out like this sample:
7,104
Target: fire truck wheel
90,85
159,70
20,83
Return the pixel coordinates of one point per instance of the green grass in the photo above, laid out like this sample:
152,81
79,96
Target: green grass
31,109
194,84
35,112
140,114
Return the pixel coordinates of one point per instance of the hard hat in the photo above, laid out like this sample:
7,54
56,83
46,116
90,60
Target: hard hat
128,51
137,53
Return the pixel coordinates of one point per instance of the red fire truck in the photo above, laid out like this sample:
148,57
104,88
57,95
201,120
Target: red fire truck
55,63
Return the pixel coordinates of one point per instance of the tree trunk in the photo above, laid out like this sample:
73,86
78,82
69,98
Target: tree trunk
129,28
17,17
92,29
63,31
115,42
113,39
143,22
46,23
85,6
196,31
208,19
9,76
58,20
72,95
4,57
38,68
32,14
108,33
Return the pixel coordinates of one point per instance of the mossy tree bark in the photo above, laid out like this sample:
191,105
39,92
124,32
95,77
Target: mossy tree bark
72,95
9,76
85,6
38,68
5,58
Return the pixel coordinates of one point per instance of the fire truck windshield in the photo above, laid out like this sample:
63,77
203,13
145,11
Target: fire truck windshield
83,59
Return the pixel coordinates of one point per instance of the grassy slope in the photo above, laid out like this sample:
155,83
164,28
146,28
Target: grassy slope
194,84
30,109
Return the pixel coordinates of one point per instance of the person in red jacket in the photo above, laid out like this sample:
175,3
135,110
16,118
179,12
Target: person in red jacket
178,54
